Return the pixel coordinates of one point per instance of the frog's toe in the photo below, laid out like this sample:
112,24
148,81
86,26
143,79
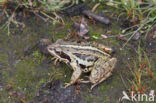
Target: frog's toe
83,81
67,85
93,86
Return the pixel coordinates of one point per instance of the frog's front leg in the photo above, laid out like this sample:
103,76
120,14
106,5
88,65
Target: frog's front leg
76,74
102,71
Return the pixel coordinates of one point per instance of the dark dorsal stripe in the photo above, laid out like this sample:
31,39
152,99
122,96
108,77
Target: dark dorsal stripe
63,55
86,57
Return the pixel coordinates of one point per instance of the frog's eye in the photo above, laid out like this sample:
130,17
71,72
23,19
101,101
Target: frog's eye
51,48
58,49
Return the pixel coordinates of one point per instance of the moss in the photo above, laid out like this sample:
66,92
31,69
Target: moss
90,97
24,78
38,57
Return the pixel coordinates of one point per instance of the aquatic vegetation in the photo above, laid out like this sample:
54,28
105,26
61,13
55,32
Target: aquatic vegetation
41,8
146,16
141,14
142,72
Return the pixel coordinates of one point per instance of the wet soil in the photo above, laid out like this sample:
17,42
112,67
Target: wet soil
57,94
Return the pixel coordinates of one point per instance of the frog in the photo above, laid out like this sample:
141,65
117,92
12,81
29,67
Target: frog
84,57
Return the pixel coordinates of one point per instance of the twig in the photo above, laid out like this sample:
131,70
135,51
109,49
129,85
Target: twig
153,26
96,17
47,15
44,19
94,8
132,35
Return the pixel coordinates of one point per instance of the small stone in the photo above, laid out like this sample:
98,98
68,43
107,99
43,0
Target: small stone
136,36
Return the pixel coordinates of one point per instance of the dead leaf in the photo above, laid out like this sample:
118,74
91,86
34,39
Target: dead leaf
104,36
109,32
122,37
81,28
12,93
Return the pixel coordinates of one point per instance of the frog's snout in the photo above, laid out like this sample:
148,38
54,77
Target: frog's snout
113,51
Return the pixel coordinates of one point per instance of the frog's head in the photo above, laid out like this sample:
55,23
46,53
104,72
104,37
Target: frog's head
54,49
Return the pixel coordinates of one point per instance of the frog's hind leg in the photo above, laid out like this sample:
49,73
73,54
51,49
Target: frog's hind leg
76,74
102,72
100,80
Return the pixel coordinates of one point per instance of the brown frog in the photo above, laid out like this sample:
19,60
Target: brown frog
94,58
